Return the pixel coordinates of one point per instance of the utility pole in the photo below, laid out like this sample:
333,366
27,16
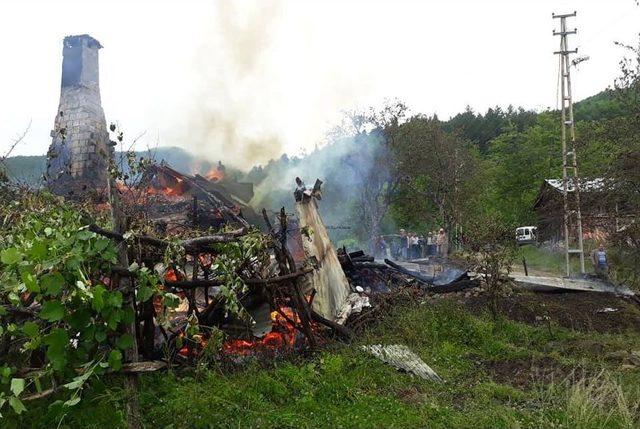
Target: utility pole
570,178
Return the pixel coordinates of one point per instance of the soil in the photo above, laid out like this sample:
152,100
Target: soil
524,373
582,311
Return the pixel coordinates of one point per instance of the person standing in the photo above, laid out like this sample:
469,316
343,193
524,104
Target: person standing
430,244
442,241
404,244
599,259
414,245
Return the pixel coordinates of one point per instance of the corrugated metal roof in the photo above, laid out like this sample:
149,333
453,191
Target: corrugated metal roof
585,184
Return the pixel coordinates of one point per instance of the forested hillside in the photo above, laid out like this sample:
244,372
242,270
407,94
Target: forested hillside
510,152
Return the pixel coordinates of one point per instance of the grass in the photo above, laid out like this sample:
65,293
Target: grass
343,387
548,261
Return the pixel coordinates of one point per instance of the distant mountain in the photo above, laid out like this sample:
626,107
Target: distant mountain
30,169
25,169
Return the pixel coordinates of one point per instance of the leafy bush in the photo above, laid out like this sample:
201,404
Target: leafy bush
58,313
493,250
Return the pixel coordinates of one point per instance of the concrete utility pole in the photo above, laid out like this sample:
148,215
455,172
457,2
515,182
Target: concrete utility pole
570,178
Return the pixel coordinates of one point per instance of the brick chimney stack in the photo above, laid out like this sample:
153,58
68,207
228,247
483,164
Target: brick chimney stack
77,160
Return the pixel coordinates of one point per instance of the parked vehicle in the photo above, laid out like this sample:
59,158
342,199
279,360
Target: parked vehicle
526,235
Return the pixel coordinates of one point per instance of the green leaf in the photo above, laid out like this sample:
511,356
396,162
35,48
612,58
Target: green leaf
58,341
31,329
17,405
57,338
76,383
115,360
3,310
71,402
10,256
79,318
144,293
113,318
115,299
17,386
125,342
128,316
98,297
30,282
52,283
101,244
171,300
101,335
38,251
52,311
84,235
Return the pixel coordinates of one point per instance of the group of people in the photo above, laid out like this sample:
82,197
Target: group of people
410,245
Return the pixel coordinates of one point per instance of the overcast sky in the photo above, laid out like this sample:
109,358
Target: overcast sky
245,81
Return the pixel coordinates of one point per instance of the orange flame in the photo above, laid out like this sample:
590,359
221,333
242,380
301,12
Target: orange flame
176,191
282,336
171,275
215,175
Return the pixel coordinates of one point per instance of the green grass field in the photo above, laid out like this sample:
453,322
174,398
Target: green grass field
544,260
578,385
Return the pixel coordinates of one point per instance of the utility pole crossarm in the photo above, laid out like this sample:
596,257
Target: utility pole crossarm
565,15
575,51
565,33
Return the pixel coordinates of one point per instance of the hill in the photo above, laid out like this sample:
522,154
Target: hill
29,169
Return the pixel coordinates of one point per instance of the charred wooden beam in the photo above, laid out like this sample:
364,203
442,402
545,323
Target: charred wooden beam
343,331
279,279
365,258
190,244
225,237
356,254
373,265
193,284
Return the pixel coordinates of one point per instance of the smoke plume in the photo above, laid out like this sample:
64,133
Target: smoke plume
232,78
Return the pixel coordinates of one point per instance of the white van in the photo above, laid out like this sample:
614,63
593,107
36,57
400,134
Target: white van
526,235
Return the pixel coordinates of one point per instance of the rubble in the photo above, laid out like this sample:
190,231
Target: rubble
402,358
171,197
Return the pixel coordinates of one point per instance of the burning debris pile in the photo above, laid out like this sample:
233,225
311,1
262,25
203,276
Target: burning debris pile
173,199
240,282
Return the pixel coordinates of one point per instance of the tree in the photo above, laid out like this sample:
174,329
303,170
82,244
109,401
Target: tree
377,134
624,174
440,168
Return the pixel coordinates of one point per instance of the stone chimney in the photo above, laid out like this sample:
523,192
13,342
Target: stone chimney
77,160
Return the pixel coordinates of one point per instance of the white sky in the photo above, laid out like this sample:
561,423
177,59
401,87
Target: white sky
244,81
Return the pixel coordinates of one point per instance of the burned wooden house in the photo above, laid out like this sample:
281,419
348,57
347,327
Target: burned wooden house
181,199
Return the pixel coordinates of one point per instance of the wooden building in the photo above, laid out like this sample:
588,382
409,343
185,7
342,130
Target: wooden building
600,208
